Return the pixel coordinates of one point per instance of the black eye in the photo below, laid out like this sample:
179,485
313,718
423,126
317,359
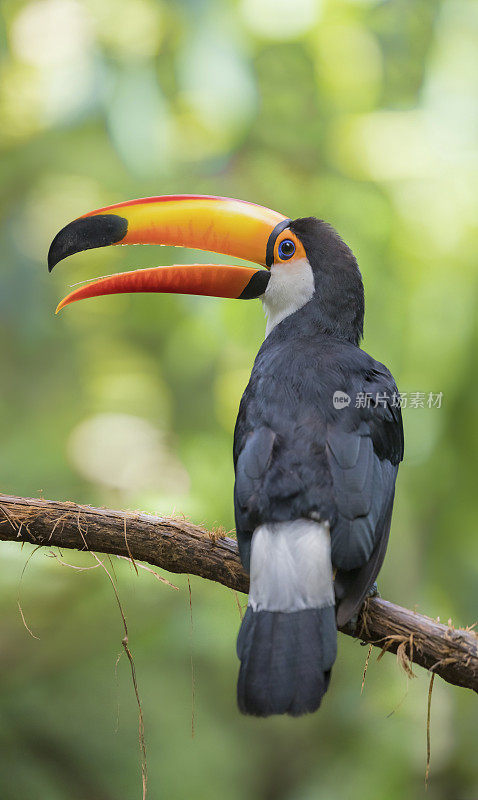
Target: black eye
286,249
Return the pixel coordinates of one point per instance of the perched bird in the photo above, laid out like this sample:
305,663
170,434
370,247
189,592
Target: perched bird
318,437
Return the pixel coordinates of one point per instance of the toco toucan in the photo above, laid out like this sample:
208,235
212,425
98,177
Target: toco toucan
318,437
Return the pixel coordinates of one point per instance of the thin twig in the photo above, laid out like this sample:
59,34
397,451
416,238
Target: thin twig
127,547
429,708
239,607
370,647
19,589
124,642
193,679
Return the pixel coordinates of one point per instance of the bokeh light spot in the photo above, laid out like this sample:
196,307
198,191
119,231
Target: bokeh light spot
280,19
50,32
127,453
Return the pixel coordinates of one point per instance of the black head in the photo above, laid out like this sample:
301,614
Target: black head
338,300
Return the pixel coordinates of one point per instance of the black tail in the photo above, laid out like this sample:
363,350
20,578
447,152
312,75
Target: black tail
286,658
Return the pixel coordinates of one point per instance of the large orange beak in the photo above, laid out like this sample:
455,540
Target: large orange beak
219,224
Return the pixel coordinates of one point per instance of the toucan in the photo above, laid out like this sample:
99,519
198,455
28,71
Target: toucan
318,437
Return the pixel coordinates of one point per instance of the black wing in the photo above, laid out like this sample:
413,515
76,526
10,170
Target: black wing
251,463
363,453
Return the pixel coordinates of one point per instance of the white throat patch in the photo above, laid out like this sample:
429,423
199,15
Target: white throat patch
290,287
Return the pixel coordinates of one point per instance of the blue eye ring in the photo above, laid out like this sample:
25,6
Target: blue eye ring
286,249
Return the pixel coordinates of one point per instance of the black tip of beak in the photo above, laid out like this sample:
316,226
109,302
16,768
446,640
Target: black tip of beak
85,234
256,286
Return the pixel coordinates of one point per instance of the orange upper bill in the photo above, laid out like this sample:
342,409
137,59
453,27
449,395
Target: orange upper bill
218,224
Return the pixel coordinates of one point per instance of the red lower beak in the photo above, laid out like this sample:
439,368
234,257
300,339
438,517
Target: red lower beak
212,280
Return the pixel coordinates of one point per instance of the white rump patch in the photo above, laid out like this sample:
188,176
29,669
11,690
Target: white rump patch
291,285
291,567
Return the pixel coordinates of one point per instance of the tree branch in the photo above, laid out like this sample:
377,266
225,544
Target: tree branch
176,545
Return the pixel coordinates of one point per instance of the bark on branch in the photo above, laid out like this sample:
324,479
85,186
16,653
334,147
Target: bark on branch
179,546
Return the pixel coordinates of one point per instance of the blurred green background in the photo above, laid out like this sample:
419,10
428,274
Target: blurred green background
364,113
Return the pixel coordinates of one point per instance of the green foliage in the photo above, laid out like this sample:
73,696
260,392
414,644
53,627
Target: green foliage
359,112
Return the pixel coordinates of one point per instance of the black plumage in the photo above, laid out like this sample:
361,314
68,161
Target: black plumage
296,455
285,660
